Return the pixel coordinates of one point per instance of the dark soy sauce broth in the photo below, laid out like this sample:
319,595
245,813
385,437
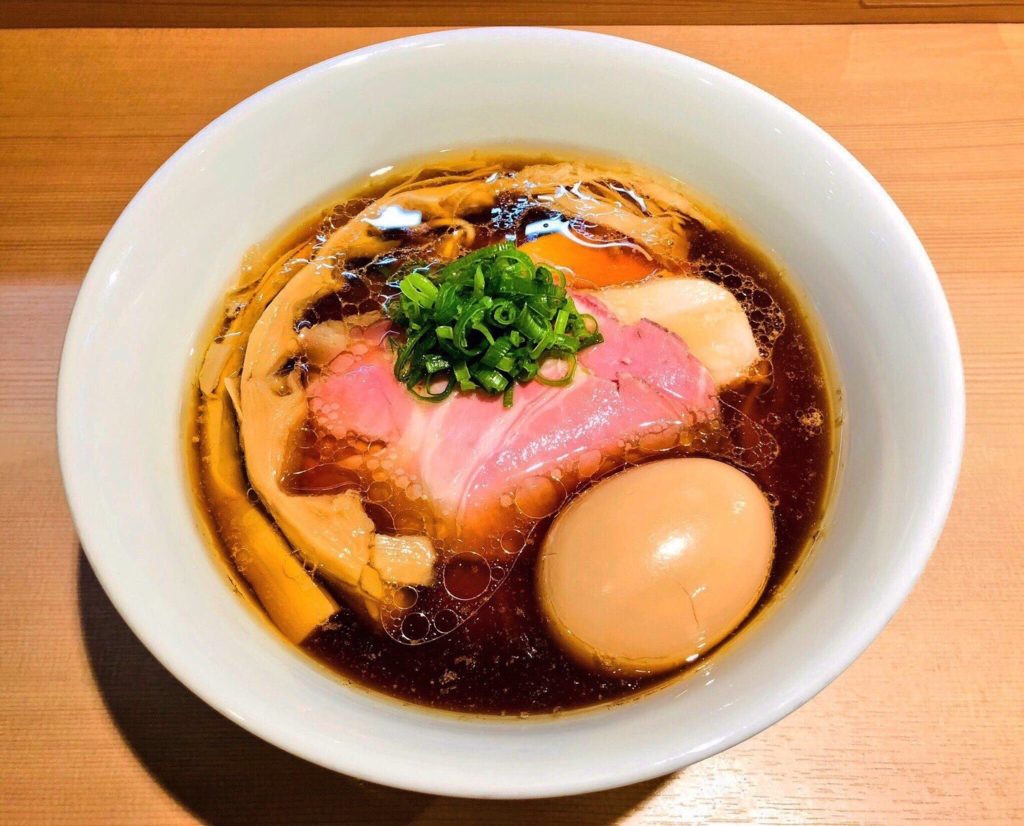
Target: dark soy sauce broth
503,660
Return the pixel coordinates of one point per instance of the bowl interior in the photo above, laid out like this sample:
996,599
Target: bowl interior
168,260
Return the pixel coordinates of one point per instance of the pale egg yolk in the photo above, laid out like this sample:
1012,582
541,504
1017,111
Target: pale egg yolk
653,567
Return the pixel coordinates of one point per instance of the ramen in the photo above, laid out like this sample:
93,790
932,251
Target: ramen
512,434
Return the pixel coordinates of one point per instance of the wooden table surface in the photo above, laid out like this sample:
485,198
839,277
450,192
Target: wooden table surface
927,727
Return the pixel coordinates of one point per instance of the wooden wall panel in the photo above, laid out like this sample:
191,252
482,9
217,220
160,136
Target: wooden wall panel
290,13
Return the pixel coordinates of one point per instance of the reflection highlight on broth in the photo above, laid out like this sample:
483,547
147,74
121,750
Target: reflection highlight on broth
512,434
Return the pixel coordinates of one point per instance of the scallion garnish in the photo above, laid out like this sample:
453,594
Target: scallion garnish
484,322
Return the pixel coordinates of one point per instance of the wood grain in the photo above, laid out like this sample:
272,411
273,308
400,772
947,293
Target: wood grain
927,727
157,13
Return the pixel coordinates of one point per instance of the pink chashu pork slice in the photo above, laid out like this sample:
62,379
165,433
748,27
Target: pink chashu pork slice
483,467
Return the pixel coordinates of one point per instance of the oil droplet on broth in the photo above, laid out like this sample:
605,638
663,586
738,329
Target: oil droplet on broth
446,621
539,496
466,576
512,542
415,627
405,598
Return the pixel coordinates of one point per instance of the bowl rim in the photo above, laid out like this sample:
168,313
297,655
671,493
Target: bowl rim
914,555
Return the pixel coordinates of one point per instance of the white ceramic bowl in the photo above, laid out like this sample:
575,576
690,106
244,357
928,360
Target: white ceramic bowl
168,259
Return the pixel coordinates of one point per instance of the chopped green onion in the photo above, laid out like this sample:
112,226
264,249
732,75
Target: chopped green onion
504,312
588,322
418,288
542,345
433,363
490,380
483,322
462,375
498,350
529,324
430,396
562,380
527,371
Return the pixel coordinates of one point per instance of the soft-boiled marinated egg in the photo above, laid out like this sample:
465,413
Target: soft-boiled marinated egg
656,565
704,315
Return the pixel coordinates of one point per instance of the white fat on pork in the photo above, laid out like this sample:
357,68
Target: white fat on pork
707,317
